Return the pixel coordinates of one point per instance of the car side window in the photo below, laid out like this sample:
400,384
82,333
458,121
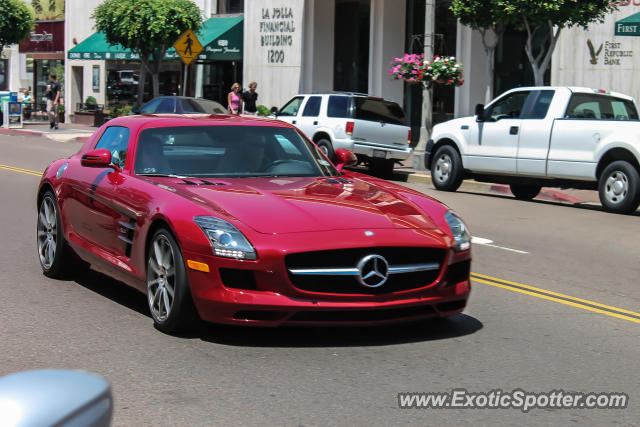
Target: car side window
508,107
292,107
151,107
540,100
623,110
116,140
585,106
312,107
338,106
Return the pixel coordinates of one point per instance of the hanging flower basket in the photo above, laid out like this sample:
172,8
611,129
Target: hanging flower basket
412,68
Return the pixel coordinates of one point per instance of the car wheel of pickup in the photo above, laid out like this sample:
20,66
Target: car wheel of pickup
446,169
327,148
525,192
619,187
170,301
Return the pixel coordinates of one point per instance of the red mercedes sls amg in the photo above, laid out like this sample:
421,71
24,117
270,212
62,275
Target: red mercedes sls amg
244,221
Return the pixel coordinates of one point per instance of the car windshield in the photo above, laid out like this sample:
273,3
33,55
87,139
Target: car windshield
228,151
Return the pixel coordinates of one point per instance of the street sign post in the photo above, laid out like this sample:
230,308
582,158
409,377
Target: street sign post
188,47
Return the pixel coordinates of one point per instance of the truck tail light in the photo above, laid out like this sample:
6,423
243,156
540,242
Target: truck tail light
349,128
409,137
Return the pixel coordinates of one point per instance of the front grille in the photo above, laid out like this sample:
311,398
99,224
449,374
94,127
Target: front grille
349,258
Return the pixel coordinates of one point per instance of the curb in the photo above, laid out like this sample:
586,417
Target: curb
470,185
22,132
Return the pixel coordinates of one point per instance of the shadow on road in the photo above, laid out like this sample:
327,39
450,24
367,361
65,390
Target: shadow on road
589,207
302,336
399,333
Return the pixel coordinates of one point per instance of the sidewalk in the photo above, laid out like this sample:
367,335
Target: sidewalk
552,194
66,131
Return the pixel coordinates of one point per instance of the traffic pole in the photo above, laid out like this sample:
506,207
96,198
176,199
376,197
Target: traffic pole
184,84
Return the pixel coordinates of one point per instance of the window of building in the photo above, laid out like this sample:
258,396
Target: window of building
3,74
351,52
231,6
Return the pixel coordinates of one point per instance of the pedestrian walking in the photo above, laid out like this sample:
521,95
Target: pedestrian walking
249,99
234,99
53,101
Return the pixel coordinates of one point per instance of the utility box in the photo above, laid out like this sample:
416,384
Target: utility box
12,114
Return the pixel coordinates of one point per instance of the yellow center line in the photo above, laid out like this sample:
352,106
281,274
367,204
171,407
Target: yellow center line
584,304
14,169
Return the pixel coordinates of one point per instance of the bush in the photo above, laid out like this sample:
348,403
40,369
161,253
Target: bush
263,110
121,110
90,101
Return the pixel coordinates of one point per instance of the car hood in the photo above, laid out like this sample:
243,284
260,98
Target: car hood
301,204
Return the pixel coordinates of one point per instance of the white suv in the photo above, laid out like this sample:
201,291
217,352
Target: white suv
373,128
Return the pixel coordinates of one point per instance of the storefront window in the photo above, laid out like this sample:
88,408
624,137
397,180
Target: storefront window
43,67
123,79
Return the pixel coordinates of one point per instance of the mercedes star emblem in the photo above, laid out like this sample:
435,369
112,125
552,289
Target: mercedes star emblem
374,271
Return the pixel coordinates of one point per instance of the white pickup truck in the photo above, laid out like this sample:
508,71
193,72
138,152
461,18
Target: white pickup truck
545,136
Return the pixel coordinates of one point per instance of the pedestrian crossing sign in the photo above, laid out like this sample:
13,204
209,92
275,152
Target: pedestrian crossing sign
188,47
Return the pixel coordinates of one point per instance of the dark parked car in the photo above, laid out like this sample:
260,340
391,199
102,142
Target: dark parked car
180,105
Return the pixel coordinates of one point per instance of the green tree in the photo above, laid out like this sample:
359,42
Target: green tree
490,19
148,28
545,19
16,21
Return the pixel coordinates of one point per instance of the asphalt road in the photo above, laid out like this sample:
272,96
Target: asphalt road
510,336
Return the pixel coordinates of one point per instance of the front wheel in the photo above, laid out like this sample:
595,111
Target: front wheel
619,187
524,191
56,258
446,169
168,293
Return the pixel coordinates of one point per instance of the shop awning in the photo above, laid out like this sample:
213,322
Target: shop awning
222,38
629,26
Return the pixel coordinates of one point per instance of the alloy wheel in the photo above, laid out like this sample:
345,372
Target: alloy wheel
161,278
47,232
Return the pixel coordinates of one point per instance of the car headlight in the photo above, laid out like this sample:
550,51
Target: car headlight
459,231
226,240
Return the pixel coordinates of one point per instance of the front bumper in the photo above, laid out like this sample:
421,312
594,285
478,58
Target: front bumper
272,299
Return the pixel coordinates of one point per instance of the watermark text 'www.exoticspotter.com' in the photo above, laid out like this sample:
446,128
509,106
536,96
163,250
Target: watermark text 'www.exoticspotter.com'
514,399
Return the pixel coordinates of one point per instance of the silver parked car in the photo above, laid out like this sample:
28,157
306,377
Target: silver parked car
373,128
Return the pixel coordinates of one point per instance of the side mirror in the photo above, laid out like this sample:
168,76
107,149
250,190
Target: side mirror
100,158
135,110
274,111
345,158
480,112
54,397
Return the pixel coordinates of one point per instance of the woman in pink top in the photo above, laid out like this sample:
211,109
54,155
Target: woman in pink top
234,99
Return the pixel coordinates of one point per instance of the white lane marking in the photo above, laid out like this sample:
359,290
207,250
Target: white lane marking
487,242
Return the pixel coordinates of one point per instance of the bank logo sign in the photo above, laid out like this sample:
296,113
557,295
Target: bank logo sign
629,26
594,54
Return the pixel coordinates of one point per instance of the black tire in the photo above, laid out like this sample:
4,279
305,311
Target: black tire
619,187
382,167
327,148
164,276
56,258
525,191
446,169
